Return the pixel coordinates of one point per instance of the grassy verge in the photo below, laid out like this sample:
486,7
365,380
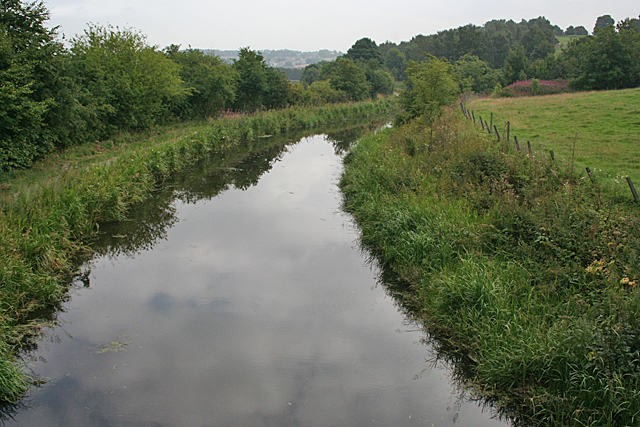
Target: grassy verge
515,264
48,214
606,124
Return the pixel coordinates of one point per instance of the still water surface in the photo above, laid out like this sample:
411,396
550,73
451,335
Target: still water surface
251,306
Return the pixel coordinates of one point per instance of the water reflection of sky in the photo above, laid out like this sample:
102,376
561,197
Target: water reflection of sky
257,310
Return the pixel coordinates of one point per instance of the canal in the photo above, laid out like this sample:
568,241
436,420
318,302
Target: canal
240,298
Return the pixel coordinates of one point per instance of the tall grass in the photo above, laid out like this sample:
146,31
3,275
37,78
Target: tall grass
517,265
45,223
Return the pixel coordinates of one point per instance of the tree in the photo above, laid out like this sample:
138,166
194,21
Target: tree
470,40
629,24
365,50
259,85
538,42
252,79
581,31
210,80
609,60
515,65
603,22
431,86
380,82
396,63
386,47
311,73
346,76
278,91
321,92
474,74
126,82
34,98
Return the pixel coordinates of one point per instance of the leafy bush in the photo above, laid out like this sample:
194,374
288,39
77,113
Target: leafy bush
127,83
431,87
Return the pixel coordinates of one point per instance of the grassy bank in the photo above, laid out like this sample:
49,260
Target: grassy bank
48,215
606,124
514,264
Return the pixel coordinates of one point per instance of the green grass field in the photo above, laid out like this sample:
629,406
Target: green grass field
564,41
607,125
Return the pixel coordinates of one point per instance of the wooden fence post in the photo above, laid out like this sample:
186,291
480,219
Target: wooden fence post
529,147
633,190
589,173
553,156
481,122
491,126
497,133
474,117
508,130
515,138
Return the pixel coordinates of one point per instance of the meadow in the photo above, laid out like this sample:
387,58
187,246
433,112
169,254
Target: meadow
599,130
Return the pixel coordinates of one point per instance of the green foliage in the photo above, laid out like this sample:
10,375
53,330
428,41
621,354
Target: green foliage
515,66
311,73
210,80
278,92
603,22
346,76
32,99
577,31
490,43
258,85
126,82
365,50
608,60
539,43
380,82
396,64
321,92
252,80
473,74
431,87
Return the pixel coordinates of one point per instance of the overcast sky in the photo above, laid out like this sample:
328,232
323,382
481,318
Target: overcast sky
310,25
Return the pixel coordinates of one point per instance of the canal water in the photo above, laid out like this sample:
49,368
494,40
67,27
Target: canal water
240,298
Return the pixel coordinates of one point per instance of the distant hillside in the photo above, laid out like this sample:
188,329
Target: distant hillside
283,58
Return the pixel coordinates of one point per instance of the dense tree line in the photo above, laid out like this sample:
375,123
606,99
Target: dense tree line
111,80
357,75
609,59
502,52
